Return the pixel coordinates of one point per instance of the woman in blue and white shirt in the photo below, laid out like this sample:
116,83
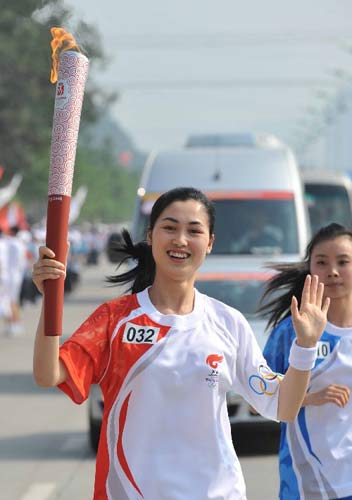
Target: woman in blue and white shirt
316,449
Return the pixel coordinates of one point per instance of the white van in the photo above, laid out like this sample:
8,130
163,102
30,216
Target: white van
256,188
328,195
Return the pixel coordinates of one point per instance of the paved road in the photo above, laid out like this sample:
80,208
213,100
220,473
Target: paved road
44,450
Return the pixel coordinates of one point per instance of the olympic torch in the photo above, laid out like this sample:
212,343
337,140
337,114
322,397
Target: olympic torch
70,70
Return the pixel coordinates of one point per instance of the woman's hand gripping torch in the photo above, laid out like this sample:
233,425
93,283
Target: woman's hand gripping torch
70,70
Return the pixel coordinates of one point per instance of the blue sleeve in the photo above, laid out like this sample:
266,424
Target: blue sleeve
277,348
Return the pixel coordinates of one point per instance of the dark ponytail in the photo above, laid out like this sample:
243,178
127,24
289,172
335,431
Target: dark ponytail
141,276
288,281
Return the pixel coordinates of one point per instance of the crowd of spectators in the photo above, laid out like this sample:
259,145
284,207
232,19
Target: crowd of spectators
18,251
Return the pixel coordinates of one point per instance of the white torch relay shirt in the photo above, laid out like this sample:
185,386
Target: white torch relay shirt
316,449
165,432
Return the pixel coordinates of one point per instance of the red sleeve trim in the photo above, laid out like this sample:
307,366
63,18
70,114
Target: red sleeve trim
75,386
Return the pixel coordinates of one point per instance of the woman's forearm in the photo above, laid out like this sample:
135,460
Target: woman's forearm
48,370
292,391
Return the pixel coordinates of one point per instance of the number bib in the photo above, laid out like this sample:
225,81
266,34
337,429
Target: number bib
323,350
137,334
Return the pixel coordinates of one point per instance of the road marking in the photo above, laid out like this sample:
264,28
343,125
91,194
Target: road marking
39,491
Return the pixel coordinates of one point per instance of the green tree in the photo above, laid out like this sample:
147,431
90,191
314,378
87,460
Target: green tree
111,189
26,113
26,95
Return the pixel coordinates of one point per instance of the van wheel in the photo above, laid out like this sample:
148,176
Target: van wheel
94,434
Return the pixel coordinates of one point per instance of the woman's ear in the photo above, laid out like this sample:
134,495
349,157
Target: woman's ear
149,237
210,244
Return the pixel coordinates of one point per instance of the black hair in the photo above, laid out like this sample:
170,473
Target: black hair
14,230
290,277
142,276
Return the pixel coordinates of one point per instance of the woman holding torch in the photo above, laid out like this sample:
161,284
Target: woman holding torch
165,356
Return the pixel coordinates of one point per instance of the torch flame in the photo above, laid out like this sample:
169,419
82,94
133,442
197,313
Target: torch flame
62,40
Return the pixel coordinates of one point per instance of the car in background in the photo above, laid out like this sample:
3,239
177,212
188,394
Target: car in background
255,183
238,282
95,415
114,240
328,196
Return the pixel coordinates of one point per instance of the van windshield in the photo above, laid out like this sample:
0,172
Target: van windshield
326,204
255,226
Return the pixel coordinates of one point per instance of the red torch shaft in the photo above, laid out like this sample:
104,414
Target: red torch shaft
56,239
72,73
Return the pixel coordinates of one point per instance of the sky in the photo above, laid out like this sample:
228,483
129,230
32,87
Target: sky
196,66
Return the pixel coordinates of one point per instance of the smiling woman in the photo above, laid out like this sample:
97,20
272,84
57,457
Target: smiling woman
182,219
326,455
183,240
165,358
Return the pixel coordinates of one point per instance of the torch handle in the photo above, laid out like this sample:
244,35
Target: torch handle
56,239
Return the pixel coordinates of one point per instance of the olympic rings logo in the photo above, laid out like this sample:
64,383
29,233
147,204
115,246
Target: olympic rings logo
258,383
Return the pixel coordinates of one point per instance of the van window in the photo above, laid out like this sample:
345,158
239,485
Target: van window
327,203
259,227
243,226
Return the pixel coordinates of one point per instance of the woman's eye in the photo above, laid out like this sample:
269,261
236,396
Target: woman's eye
342,262
169,228
320,262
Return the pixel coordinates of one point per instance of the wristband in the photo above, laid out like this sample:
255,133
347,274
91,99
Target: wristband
302,358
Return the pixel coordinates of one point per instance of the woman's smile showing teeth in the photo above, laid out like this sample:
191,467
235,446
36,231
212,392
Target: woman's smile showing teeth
178,255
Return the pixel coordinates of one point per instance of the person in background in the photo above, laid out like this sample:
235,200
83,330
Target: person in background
165,357
94,244
16,265
29,292
5,300
315,455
